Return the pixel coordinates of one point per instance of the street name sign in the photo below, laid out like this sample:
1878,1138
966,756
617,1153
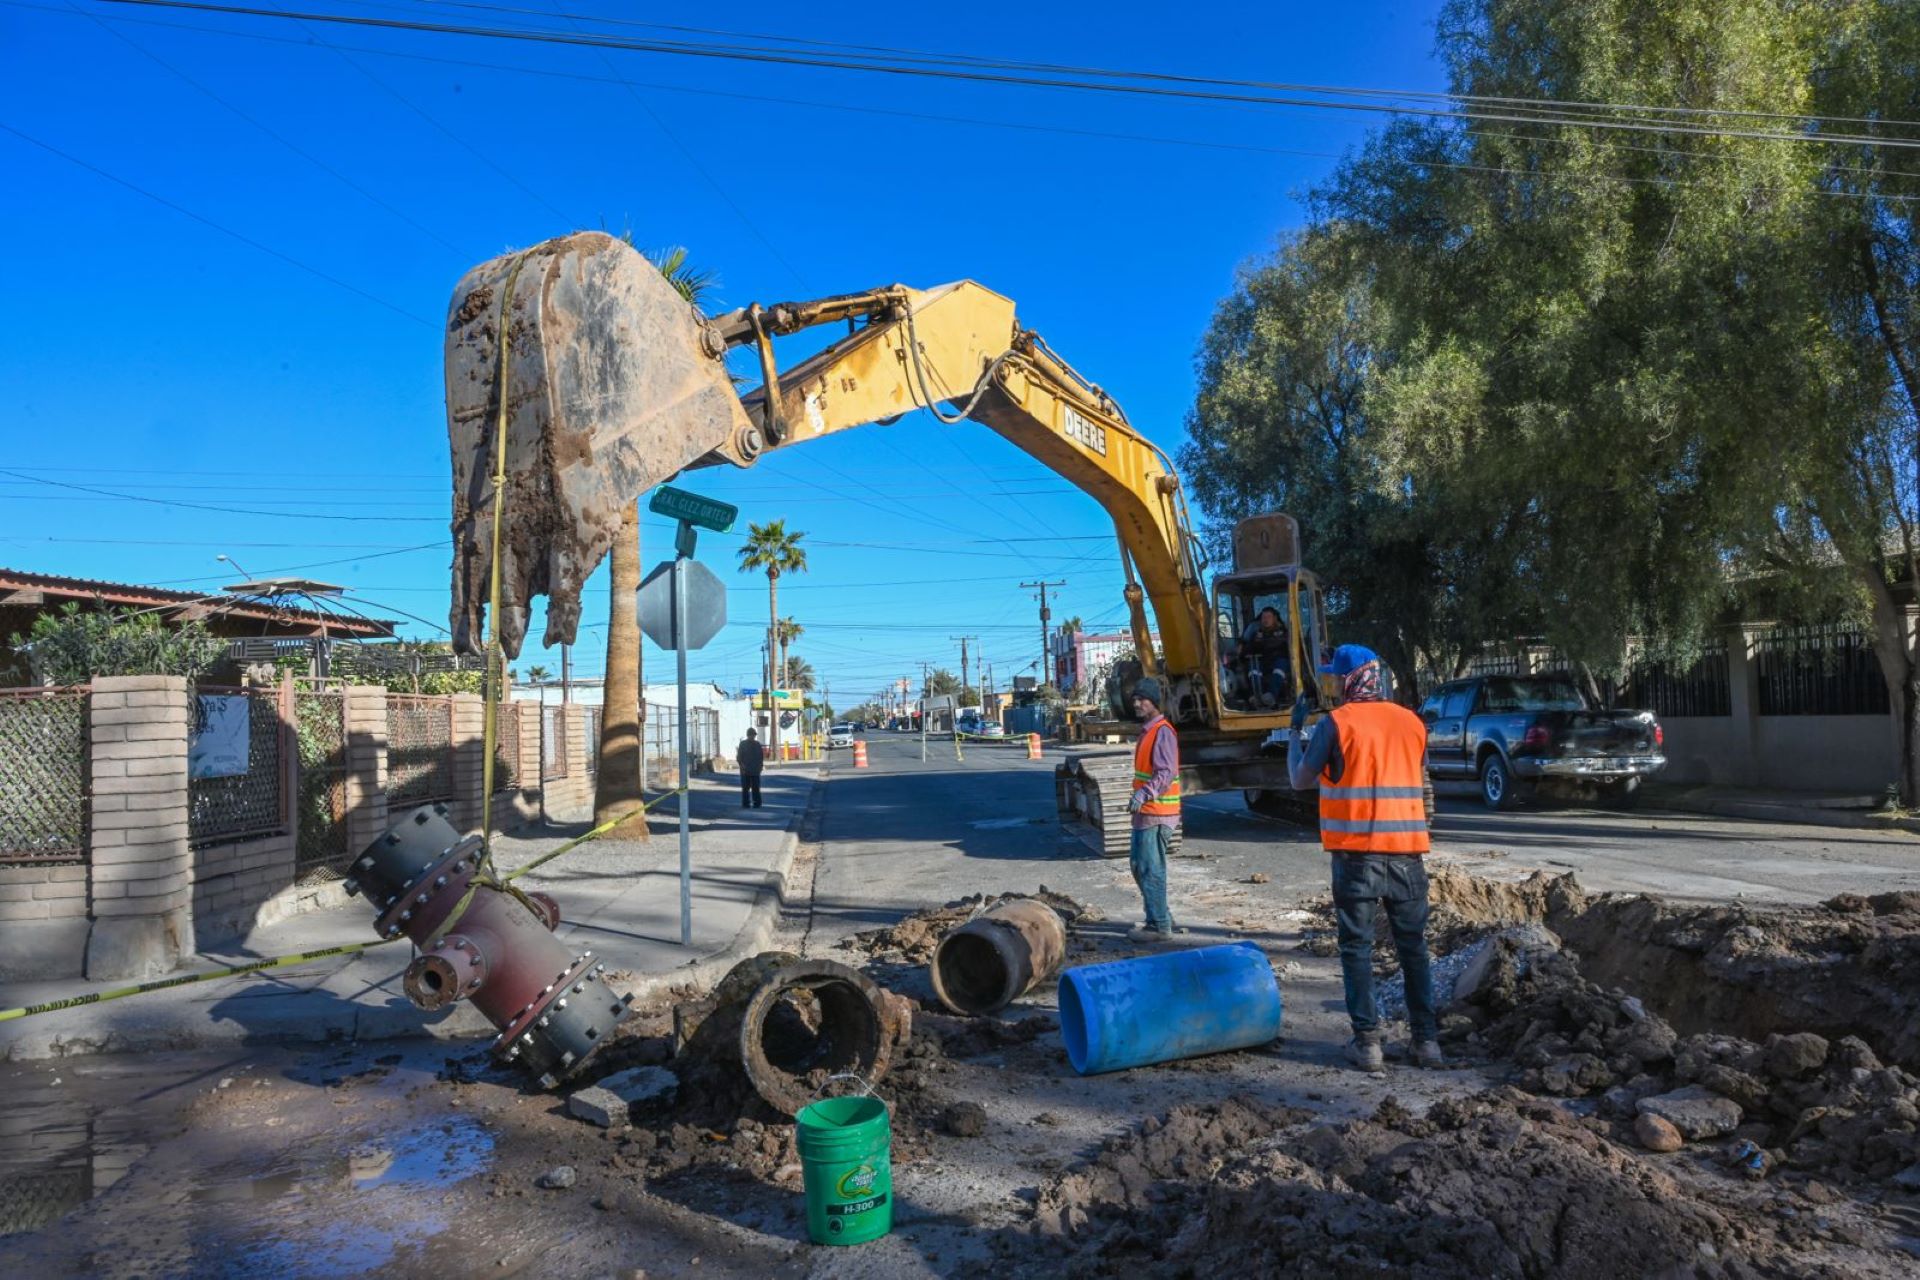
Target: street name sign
678,504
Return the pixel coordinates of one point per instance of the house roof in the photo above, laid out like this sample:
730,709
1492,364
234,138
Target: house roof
19,588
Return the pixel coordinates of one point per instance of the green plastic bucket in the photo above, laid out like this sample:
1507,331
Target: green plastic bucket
846,1147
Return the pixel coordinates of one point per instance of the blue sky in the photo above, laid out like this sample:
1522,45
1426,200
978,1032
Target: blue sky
267,341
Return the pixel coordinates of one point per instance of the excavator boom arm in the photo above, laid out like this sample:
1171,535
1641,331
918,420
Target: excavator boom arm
960,346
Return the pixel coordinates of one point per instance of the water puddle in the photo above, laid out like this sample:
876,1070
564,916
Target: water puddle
271,1165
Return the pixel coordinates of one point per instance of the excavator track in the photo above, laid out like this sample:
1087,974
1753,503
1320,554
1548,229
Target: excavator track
1092,791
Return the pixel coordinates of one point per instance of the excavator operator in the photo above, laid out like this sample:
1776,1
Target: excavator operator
1264,647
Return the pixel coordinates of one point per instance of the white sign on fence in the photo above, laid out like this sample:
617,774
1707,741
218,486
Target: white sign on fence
217,748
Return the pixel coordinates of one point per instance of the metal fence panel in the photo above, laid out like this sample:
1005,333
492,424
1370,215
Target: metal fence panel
419,750
506,747
593,741
1702,689
553,743
43,775
320,727
1823,670
246,804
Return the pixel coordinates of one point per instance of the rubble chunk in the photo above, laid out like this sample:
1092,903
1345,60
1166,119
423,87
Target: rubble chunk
1796,1056
1656,1134
1697,1112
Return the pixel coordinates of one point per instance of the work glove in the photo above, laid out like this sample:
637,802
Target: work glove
1137,802
1300,713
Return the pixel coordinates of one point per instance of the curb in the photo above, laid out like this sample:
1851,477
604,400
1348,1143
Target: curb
1803,815
399,1020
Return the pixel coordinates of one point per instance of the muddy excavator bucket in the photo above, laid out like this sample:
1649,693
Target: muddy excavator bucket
612,384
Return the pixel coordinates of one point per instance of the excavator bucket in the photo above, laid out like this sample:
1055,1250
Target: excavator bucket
612,384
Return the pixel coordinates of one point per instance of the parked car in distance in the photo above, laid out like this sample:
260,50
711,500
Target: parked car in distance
840,735
1515,733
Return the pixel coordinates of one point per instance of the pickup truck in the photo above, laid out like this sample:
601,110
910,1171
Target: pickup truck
1515,733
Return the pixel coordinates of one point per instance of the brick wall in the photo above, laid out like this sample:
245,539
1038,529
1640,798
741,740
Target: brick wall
236,886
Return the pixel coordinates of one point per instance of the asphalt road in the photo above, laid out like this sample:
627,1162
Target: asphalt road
902,834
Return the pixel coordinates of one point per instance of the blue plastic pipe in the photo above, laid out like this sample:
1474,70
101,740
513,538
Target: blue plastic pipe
1180,1004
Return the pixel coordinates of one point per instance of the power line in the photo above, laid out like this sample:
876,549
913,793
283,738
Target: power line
204,506
1541,111
1105,135
201,218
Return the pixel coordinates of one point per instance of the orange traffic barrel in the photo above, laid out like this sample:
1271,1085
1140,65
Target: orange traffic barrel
859,754
1033,746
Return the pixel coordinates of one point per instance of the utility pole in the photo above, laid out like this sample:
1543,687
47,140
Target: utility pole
566,674
1046,616
925,679
964,682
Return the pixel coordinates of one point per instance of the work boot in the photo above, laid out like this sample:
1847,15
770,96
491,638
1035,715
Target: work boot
1426,1053
1363,1051
1147,933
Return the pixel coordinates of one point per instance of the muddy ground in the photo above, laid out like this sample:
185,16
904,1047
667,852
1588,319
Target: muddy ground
1775,1046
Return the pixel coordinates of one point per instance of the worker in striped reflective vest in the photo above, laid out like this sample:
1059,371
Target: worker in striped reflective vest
1369,759
1155,806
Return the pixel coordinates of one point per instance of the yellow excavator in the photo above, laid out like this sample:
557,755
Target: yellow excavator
577,379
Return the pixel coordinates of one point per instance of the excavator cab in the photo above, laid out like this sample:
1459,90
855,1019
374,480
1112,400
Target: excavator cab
1272,629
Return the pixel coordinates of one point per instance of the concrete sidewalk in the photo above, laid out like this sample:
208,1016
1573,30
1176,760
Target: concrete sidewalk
621,898
1809,808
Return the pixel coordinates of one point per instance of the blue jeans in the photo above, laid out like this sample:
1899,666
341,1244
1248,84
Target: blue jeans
1396,883
1149,858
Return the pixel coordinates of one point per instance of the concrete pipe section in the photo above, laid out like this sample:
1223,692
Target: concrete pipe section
552,1007
800,1030
998,956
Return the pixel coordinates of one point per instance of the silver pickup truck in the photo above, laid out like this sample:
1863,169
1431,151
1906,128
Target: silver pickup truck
1515,733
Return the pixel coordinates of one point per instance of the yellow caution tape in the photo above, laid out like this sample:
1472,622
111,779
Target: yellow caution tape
187,979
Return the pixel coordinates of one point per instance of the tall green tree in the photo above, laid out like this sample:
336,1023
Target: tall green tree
774,550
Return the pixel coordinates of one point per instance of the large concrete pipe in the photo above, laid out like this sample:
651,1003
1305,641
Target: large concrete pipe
552,1007
998,956
792,1027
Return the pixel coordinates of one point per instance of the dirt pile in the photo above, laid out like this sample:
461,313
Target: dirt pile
1798,1100
914,938
1494,1185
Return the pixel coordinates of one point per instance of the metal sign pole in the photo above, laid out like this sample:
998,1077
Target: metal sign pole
683,550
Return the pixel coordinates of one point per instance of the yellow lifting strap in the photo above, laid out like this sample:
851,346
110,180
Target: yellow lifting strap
496,657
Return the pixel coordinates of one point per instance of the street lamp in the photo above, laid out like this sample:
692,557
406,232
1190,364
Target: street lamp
236,564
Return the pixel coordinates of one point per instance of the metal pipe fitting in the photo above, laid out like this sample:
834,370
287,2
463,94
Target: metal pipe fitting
998,956
552,1007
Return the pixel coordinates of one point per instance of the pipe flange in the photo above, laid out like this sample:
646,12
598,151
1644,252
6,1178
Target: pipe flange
432,891
570,1018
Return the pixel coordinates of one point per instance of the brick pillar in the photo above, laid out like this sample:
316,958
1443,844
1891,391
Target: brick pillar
140,867
530,747
366,765
469,760
578,749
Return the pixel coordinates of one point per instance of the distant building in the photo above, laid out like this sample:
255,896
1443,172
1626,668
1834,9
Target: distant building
1080,657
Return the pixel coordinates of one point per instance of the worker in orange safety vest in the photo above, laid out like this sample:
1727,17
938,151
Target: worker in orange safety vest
1368,758
1155,806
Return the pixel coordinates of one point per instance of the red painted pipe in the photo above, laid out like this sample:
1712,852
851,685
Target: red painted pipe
488,944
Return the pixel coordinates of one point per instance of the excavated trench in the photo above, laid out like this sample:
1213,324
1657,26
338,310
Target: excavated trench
1849,967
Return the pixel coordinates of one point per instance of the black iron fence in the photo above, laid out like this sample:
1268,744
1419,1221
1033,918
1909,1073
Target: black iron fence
1820,670
1702,688
43,775
236,771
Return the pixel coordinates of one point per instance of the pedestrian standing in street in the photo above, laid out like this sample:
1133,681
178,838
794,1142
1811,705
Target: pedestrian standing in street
1369,760
1155,806
753,759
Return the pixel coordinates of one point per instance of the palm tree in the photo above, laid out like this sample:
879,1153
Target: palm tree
797,674
773,549
788,631
619,793
538,675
